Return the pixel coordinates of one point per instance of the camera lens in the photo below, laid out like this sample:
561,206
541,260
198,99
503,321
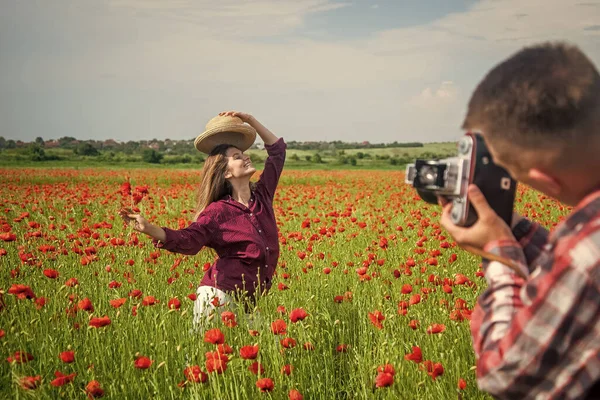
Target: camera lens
428,175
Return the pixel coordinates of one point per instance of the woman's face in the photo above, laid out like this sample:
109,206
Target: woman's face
238,164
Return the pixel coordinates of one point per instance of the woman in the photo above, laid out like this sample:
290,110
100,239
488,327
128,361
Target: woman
234,217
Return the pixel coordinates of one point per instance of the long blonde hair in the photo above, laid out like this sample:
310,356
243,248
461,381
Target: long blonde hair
213,184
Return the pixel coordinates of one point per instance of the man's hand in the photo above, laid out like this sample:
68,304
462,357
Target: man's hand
488,228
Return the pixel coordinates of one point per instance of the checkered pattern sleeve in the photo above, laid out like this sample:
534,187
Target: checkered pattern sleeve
532,237
540,338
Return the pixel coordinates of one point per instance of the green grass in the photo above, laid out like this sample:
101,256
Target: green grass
12,159
74,201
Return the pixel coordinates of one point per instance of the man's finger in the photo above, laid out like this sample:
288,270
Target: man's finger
445,220
479,201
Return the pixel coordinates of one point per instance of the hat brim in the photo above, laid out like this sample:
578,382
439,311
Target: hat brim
240,136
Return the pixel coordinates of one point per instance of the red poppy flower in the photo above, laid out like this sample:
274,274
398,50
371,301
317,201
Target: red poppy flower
298,314
295,395
98,322
67,356
256,368
228,319
279,327
265,384
249,352
462,384
62,379
51,273
414,324
142,362
192,296
416,355
21,291
72,282
174,304
376,317
30,382
116,303
114,285
287,369
86,305
433,369
384,379
338,299
40,302
214,336
288,342
308,346
8,237
216,362
135,293
93,389
149,301
224,349
387,368
194,374
402,308
20,357
436,328
281,310
342,348
406,288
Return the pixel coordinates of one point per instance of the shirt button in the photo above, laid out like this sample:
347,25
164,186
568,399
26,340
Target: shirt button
259,231
251,214
267,249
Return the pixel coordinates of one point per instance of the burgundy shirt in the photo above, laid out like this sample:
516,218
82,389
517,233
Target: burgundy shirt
245,238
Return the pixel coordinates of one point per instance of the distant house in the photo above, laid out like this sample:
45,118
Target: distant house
109,144
51,144
154,146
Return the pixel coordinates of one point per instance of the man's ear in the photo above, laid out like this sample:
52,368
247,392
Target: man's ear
545,182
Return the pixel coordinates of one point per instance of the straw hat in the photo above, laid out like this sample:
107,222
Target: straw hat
225,129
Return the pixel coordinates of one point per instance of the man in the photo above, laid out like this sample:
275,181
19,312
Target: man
539,337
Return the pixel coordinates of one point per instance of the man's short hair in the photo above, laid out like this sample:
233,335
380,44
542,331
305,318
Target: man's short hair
544,95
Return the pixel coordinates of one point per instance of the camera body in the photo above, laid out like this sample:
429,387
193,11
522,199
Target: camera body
450,178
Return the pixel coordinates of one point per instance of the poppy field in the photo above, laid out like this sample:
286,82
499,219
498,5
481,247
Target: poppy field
371,298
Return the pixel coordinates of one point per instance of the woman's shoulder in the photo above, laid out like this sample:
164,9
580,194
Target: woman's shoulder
212,210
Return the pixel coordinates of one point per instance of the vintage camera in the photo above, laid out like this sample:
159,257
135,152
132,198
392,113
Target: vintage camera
450,178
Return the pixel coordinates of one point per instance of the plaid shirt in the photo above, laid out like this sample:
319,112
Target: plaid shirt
540,338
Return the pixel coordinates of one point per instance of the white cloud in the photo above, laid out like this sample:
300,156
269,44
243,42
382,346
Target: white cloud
184,60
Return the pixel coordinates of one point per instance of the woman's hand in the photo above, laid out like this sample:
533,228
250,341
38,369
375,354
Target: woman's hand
245,117
136,221
266,135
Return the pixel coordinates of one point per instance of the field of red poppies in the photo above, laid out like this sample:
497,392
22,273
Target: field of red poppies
371,298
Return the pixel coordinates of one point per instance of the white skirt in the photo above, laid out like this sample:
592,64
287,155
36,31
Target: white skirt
204,306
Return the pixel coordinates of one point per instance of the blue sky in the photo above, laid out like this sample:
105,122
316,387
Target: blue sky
308,69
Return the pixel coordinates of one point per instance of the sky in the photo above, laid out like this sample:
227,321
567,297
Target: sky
310,70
